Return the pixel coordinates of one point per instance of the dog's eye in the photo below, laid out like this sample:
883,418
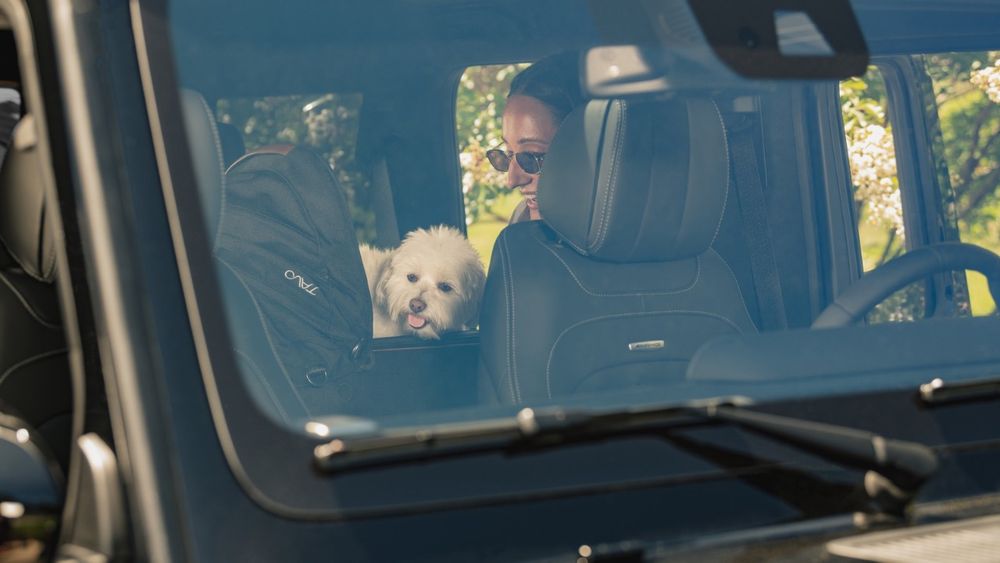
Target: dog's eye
445,287
412,278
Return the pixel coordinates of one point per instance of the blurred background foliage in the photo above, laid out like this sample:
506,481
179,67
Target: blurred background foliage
966,101
326,123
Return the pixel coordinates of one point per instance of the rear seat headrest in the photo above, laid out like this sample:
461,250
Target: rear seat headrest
206,156
23,229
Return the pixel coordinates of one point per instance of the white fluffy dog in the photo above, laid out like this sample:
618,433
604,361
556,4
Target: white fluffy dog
430,285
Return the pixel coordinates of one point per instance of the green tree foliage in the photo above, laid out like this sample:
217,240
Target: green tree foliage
328,124
479,105
966,102
970,124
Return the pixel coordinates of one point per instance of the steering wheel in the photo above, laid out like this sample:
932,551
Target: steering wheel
852,305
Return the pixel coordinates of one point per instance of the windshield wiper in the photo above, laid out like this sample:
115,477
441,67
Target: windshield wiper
896,468
530,429
940,391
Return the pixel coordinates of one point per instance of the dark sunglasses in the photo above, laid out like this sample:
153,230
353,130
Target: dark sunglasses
530,162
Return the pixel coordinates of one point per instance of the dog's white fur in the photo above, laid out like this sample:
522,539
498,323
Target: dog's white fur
435,267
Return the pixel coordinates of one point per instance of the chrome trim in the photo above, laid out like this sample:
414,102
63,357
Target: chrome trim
645,345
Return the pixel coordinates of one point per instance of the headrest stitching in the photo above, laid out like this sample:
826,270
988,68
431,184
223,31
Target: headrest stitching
725,145
604,226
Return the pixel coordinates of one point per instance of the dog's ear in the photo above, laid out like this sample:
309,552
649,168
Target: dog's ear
381,297
475,279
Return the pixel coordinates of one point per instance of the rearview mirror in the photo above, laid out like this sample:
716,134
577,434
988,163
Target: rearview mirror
673,46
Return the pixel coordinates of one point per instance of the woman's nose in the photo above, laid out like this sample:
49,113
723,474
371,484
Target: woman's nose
517,177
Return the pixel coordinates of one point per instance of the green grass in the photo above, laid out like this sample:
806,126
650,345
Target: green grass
979,294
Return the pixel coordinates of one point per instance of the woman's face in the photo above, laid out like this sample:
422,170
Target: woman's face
528,126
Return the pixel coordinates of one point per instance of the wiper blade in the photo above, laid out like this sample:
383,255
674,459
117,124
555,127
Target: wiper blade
529,429
940,391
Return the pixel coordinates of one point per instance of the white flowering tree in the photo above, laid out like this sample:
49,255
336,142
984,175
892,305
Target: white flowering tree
481,95
872,159
965,101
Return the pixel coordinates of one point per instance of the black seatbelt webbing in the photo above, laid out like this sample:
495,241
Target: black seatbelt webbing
753,210
386,228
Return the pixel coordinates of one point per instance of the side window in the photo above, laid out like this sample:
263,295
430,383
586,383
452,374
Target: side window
963,117
967,95
877,195
479,107
326,123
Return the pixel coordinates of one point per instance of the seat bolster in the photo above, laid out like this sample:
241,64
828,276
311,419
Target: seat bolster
496,366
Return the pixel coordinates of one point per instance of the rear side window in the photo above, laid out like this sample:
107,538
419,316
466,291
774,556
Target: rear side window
326,123
479,105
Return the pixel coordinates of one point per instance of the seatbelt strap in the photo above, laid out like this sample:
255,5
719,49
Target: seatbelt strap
386,228
753,211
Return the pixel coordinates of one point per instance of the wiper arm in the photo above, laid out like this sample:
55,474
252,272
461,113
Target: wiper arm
939,391
896,468
530,429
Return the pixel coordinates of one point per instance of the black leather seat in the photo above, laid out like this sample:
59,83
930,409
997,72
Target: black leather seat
34,371
618,286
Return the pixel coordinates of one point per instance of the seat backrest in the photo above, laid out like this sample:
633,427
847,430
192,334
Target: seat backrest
289,267
34,371
618,286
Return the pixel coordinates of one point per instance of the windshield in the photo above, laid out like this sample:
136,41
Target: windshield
443,212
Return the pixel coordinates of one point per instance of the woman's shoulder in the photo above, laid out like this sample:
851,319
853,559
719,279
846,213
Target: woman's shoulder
520,213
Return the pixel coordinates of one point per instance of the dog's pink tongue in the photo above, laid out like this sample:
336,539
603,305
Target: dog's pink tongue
415,321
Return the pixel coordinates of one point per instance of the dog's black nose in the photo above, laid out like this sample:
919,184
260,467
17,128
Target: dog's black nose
417,305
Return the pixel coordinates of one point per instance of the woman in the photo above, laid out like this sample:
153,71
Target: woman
539,100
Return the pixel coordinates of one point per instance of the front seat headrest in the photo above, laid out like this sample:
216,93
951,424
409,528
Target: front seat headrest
637,182
206,156
23,229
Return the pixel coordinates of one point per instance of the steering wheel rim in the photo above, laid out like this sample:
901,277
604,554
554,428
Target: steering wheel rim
875,286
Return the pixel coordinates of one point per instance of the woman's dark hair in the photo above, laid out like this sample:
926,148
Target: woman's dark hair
554,81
